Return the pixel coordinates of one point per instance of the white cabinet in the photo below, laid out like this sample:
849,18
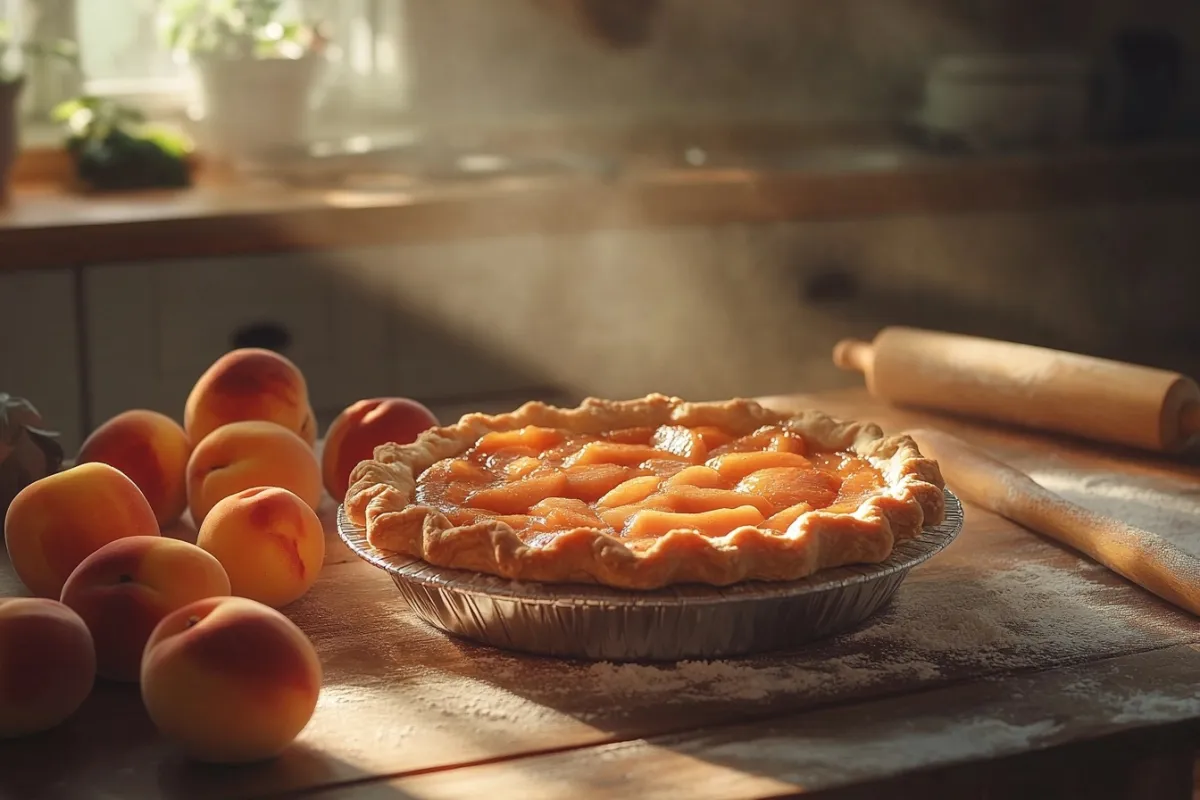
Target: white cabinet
154,328
397,321
38,348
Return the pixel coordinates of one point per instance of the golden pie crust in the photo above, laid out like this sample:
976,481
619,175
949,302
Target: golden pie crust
905,495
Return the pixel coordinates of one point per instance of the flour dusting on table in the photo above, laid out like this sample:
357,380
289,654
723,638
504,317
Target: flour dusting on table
1154,707
1008,615
1166,506
751,680
482,701
968,739
1025,613
1137,705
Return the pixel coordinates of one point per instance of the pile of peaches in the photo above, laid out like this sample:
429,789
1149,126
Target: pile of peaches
221,670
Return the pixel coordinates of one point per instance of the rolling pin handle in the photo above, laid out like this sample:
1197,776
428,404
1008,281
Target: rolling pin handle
1189,419
854,354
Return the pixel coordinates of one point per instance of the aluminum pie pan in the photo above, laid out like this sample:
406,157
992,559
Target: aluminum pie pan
685,622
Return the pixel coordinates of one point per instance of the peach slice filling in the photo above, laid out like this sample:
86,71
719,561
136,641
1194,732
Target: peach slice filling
633,490
517,497
649,522
642,483
626,455
536,439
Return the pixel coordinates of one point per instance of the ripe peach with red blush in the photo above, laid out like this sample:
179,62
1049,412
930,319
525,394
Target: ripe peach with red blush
270,542
244,455
124,589
230,680
250,384
55,523
152,450
358,430
47,664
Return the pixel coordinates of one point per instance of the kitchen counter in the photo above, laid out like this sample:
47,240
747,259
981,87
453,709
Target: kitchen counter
46,227
1006,663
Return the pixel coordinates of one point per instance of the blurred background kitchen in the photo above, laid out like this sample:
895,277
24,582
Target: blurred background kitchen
478,202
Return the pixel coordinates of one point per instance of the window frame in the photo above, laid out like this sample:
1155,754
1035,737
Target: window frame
170,99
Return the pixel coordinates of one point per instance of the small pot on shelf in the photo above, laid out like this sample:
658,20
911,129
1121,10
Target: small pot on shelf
252,106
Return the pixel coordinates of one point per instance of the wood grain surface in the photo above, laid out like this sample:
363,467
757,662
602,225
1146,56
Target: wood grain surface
988,721
1003,646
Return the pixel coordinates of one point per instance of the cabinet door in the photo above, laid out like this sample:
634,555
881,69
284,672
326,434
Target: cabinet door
155,328
466,320
38,358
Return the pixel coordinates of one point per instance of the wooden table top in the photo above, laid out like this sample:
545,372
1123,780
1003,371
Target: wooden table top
1004,649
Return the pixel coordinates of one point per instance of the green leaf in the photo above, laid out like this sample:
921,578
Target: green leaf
172,142
229,28
67,109
113,147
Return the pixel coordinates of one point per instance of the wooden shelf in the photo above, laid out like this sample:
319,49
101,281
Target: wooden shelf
47,227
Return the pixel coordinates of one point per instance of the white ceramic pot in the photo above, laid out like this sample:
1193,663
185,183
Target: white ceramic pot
10,99
249,107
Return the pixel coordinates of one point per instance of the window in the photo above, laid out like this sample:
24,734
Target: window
122,55
119,44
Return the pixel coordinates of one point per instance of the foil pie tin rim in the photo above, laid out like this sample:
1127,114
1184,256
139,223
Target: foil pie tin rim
904,556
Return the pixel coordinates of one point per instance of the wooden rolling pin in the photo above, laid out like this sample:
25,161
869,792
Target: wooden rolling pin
1143,557
1036,387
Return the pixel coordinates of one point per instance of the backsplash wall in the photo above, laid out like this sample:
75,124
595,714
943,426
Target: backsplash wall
806,60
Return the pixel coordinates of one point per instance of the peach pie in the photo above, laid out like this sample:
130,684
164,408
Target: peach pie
645,493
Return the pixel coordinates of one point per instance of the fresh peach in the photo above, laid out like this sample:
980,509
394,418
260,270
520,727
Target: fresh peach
358,430
47,664
152,450
270,542
308,429
243,455
58,521
230,680
249,384
126,587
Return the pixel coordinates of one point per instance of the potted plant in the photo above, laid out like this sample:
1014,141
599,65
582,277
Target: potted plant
12,81
256,71
114,148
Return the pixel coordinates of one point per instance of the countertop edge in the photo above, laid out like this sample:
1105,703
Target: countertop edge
47,227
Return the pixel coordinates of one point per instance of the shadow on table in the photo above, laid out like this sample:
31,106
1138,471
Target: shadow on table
299,766
112,748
